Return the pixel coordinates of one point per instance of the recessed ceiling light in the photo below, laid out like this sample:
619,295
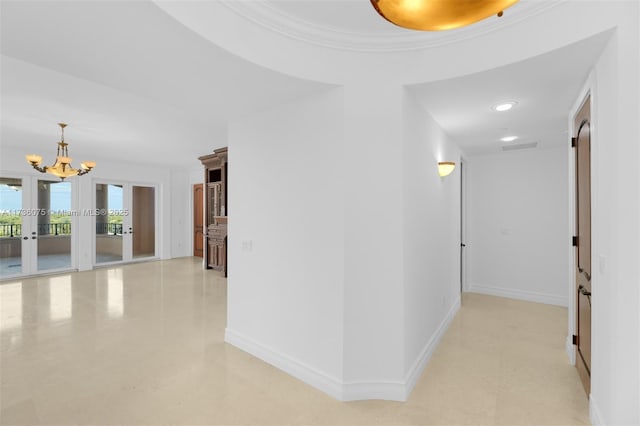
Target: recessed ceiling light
509,138
504,106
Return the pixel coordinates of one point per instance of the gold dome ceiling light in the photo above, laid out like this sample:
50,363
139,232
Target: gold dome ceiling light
438,15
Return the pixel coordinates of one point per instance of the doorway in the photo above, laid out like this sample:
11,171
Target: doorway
36,225
462,228
582,142
125,222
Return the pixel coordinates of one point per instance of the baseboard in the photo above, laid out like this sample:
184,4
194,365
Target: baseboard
301,371
571,350
388,391
594,412
420,363
353,391
529,296
392,391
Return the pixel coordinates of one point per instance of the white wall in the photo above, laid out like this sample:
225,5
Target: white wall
517,228
431,236
286,238
615,379
373,286
329,194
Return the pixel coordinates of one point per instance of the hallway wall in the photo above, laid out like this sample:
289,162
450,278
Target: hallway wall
518,230
431,243
615,361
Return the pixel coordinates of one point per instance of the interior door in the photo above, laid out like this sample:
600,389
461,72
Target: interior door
583,247
198,220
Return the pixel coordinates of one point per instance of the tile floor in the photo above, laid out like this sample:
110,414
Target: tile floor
142,344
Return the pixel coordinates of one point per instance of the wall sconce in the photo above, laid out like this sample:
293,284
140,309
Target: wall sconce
445,168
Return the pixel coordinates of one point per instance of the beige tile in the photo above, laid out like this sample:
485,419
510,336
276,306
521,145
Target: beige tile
143,344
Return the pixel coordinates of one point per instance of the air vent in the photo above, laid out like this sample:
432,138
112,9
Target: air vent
529,145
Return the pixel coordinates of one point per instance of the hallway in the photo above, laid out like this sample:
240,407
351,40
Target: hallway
143,344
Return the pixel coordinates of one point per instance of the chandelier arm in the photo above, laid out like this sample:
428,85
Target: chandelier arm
40,169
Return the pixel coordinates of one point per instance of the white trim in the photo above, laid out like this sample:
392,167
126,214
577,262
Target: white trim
529,296
297,369
414,373
280,22
353,391
389,391
594,412
571,349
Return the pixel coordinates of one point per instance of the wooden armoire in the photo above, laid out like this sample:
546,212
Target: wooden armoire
215,209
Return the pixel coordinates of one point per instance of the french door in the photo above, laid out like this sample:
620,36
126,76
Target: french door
36,225
125,222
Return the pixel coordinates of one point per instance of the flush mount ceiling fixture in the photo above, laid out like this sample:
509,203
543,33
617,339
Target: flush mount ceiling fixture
508,138
504,106
62,166
438,15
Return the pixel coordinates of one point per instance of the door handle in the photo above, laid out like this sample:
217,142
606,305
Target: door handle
583,290
25,238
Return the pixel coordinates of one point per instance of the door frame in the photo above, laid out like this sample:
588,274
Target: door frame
127,201
463,226
30,201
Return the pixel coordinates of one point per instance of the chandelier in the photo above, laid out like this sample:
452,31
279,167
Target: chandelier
438,15
62,166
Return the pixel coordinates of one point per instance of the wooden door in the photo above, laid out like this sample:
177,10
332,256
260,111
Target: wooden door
143,221
583,244
198,220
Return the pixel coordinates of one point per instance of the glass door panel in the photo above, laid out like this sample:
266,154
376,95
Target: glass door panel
54,225
109,223
143,224
10,226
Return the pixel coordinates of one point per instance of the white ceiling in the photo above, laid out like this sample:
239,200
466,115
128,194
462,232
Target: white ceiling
125,73
544,88
127,76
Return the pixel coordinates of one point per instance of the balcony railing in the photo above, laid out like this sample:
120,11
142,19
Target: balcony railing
10,230
13,230
54,229
108,228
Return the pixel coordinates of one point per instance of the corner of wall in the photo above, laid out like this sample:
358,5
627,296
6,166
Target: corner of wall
346,391
301,371
422,360
594,412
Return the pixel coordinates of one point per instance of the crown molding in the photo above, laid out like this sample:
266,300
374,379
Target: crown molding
275,20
